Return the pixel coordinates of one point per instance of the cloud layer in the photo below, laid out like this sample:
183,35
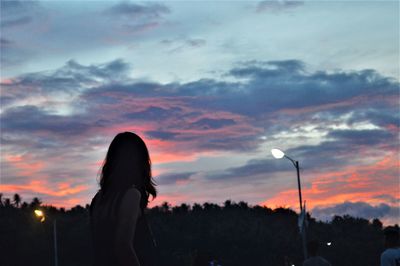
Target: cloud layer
209,133
343,111
382,211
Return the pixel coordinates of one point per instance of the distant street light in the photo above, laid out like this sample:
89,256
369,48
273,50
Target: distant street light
40,215
278,154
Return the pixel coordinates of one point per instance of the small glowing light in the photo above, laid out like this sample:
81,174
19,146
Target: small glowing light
328,243
278,154
39,213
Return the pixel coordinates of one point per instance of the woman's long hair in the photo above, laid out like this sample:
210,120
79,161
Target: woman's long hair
127,164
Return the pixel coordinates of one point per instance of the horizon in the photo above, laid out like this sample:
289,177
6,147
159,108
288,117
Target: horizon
211,87
324,218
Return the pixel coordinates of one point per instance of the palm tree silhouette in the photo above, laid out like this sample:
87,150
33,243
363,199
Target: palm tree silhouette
17,200
1,199
7,203
36,202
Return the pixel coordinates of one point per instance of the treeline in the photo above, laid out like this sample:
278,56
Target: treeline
232,234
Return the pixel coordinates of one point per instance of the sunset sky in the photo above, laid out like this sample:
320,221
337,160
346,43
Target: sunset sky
211,86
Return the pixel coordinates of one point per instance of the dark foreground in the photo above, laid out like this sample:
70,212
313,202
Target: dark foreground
234,234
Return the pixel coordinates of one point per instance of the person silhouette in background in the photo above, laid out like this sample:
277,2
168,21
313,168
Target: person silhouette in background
391,256
314,259
120,232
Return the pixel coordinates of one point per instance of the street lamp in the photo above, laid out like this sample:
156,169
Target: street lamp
40,215
278,154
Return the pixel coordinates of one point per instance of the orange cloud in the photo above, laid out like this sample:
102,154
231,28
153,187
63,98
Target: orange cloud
25,164
42,187
172,199
69,203
354,183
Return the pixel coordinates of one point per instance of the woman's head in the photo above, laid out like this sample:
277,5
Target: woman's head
127,164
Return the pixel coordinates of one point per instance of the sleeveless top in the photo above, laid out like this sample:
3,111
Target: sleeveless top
103,226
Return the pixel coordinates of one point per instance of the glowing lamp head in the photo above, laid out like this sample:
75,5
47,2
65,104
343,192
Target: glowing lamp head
329,243
277,153
40,215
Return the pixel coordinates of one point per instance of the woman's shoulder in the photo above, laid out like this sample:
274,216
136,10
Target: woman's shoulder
130,201
129,194
133,193
97,196
95,200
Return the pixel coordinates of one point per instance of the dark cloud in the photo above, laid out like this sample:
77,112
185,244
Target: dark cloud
383,116
115,69
342,144
142,27
269,69
162,135
357,209
388,198
226,142
329,155
154,113
286,85
274,86
207,123
362,137
135,11
16,7
14,16
138,18
70,79
17,13
5,42
11,53
314,158
277,5
253,168
196,42
16,22
181,44
210,114
169,179
31,119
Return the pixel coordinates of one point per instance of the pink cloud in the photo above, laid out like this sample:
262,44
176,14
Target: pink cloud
353,183
42,187
25,165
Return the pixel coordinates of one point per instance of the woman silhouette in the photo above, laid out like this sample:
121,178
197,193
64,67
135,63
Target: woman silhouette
120,232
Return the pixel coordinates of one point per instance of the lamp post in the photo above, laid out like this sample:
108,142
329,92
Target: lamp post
278,154
40,215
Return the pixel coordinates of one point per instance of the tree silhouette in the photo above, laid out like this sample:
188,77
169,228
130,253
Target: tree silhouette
232,234
17,200
35,203
227,204
165,207
7,203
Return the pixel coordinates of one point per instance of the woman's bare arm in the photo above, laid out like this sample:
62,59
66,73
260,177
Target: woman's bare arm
127,216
